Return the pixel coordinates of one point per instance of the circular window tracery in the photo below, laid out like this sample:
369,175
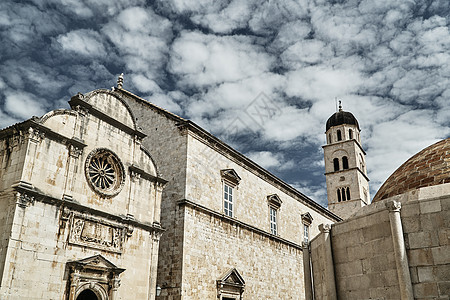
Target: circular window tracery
105,172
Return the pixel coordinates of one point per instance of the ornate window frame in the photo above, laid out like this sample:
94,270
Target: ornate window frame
230,181
274,203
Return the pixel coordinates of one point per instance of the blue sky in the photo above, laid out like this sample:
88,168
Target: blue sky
216,62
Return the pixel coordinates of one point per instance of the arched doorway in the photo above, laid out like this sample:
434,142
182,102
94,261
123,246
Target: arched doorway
87,295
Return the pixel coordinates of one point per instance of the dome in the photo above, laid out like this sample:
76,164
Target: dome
429,167
342,117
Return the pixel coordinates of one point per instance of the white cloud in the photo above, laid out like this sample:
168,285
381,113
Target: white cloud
85,42
23,105
141,37
200,59
269,160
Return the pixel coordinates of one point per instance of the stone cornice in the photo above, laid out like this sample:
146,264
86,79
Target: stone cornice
147,176
349,169
346,141
49,133
41,197
186,202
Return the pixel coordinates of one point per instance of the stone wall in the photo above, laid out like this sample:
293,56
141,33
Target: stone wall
205,187
168,145
363,253
213,244
426,225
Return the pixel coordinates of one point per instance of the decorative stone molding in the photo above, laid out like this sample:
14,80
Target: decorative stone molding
96,274
394,206
75,151
325,228
307,218
230,285
231,176
274,200
24,199
97,233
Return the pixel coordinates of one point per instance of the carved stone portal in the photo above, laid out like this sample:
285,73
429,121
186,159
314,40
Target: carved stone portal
93,278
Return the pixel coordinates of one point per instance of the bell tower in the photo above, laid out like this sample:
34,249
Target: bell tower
345,165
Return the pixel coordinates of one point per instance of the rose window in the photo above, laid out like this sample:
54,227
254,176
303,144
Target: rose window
104,172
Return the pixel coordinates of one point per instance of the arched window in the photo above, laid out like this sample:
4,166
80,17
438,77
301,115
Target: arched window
336,164
329,138
344,162
350,134
339,135
339,195
348,193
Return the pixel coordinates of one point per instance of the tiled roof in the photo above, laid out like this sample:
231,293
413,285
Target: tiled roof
429,167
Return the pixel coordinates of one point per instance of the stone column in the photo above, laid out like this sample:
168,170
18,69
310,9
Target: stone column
330,282
115,284
307,271
401,260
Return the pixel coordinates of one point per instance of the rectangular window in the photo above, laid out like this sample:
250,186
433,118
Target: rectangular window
273,220
228,200
305,233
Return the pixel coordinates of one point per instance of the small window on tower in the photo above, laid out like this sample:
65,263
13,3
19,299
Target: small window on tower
348,193
329,138
339,135
350,134
345,162
336,164
339,195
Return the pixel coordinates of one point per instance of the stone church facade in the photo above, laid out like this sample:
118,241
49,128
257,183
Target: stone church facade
80,204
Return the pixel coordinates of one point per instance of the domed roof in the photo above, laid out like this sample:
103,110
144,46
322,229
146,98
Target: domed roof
429,167
341,117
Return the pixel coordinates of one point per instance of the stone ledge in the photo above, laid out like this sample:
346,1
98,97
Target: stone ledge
186,202
61,203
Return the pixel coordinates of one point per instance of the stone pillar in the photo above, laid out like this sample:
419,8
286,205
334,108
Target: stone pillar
115,284
74,281
307,271
401,260
330,282
155,237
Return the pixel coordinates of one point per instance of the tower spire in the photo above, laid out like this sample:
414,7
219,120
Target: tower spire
340,105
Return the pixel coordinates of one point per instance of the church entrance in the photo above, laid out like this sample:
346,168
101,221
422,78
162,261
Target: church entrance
87,295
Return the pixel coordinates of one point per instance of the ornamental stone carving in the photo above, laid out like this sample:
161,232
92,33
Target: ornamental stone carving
105,172
97,234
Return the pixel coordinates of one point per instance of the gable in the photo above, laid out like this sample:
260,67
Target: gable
232,277
106,104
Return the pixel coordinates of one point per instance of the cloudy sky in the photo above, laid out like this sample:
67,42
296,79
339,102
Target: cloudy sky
261,75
